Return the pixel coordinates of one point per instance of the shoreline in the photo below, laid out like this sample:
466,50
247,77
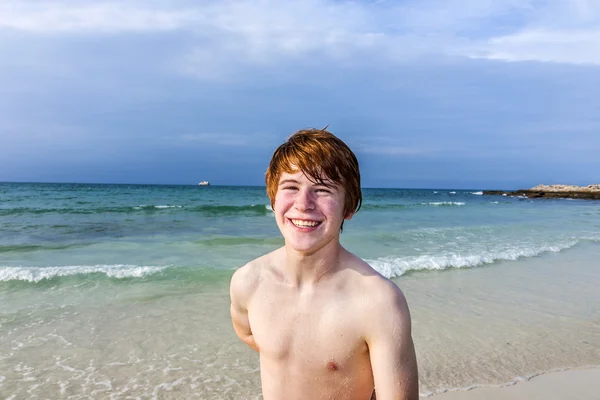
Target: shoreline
581,383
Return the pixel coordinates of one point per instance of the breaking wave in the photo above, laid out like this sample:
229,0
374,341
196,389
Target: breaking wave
391,267
37,274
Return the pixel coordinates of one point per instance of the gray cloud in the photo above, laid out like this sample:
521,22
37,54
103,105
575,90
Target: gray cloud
232,34
420,87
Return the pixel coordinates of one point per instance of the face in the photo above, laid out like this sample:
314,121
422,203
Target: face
308,214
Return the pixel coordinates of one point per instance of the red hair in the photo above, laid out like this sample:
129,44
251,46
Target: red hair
321,156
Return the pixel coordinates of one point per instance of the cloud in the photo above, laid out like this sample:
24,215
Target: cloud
44,17
559,32
566,46
229,34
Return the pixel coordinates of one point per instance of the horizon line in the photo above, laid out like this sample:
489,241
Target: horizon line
228,185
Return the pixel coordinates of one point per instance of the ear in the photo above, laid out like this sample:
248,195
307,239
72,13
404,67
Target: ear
349,216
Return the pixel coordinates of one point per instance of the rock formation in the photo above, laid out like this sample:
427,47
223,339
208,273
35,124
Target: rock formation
590,192
566,188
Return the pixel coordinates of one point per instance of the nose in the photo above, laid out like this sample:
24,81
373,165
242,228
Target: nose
304,200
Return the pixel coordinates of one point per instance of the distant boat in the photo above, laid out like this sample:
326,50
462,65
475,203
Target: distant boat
204,183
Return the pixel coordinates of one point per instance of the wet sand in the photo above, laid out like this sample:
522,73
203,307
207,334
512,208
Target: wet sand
572,384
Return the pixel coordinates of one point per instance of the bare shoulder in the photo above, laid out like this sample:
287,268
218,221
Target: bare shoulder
388,298
246,279
386,330
378,294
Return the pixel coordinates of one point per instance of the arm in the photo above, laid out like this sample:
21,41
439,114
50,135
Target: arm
391,348
240,291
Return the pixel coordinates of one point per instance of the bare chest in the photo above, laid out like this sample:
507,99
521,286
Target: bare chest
320,332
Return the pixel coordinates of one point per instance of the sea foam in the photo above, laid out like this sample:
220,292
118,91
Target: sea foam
37,274
391,267
444,203
159,207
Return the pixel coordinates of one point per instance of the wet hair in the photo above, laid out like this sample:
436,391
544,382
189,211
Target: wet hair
322,157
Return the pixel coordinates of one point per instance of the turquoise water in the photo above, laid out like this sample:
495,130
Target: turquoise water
110,291
52,230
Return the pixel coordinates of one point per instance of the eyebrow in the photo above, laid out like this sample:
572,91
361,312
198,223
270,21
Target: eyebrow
327,184
288,181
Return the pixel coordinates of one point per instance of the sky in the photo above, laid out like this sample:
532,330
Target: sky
482,94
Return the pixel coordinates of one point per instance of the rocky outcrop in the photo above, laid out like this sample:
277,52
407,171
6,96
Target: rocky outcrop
566,188
590,192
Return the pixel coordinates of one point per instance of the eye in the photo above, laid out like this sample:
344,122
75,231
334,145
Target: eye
289,188
322,190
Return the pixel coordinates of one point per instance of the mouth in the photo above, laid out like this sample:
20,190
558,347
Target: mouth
303,223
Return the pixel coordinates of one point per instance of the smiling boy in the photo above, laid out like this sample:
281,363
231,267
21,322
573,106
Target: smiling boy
326,325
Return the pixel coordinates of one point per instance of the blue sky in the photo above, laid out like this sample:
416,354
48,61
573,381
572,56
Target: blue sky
428,93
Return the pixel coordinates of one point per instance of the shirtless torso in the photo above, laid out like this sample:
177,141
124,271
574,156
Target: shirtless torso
337,339
326,325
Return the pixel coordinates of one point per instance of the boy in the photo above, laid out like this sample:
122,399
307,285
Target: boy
326,325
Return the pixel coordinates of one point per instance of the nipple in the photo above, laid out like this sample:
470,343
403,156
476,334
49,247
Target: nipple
332,366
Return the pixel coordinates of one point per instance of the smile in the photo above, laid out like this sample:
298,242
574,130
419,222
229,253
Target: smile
304,224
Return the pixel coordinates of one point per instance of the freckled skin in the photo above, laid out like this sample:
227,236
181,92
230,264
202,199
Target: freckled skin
326,325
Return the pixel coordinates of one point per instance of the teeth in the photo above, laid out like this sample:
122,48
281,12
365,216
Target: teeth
304,224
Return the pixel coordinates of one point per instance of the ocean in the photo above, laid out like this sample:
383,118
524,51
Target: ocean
121,291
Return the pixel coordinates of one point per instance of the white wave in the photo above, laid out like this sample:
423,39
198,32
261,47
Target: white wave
444,203
477,193
397,266
494,202
452,192
435,192
36,274
141,206
269,208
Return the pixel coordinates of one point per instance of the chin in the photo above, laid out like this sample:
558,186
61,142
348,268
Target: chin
304,246
301,247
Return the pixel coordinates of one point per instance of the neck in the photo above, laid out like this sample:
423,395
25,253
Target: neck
308,269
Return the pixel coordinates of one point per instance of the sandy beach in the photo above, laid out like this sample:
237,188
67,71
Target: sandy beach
581,384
